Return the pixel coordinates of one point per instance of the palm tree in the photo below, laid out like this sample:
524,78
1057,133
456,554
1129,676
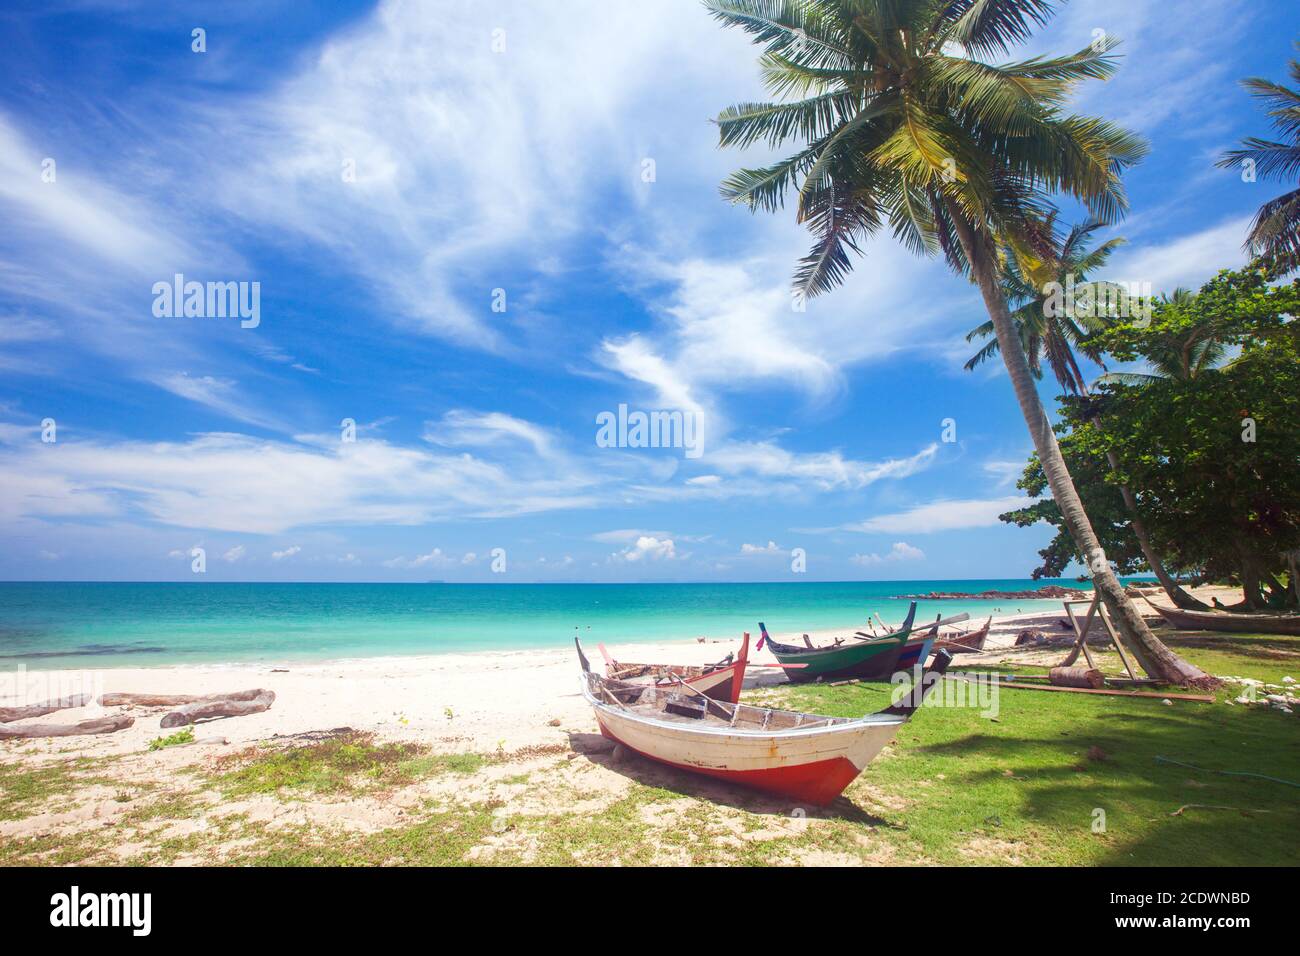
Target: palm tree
1275,233
1055,332
1030,280
903,122
1182,352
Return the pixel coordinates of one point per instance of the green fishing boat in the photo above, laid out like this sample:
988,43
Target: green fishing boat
863,658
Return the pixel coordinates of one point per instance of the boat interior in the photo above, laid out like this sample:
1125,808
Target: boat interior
623,671
680,703
677,704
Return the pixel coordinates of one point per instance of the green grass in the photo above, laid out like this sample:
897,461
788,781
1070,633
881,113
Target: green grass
955,788
27,791
1026,786
346,764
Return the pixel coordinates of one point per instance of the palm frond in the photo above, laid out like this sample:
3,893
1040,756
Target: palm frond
990,351
992,27
802,29
1275,232
783,77
1270,160
1137,379
746,123
765,188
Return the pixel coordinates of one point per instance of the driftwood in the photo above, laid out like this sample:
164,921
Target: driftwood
233,705
1076,677
100,725
9,714
174,700
146,700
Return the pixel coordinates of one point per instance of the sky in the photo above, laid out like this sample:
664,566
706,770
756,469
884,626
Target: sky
476,231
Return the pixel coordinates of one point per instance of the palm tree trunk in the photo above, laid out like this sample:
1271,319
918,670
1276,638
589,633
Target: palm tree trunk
1175,590
1151,653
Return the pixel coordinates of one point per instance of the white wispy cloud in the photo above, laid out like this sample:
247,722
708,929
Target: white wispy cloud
901,551
825,470
944,515
434,559
220,394
243,484
462,428
1188,260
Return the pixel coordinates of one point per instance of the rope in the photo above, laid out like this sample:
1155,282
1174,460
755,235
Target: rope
1230,773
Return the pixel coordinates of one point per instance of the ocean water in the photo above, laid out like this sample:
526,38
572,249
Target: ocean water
65,625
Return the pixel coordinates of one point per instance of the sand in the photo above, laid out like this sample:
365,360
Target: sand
455,702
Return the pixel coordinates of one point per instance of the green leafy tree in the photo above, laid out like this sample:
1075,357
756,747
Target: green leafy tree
1211,449
904,121
1275,233
1054,323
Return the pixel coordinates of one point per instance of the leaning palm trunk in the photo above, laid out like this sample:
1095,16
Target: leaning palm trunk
1151,653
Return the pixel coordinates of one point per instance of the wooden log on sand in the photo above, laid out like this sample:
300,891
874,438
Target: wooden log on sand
146,700
173,700
1076,677
9,714
247,702
100,725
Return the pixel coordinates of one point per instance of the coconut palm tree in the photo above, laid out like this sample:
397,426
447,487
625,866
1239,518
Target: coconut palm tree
903,121
1032,281
1050,328
1275,233
1181,353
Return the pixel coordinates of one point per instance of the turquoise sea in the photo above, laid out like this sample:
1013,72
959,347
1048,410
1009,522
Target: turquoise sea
62,625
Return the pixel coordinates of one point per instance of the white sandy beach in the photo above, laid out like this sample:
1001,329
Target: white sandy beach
474,701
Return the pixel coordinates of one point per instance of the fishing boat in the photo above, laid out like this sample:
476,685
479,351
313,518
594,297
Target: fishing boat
721,681
1239,622
970,643
805,757
916,649
861,656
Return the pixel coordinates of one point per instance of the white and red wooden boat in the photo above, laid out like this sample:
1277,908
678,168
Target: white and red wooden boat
806,757
721,681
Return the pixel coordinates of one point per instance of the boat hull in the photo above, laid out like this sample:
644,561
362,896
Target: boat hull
914,652
853,660
848,662
1231,622
809,768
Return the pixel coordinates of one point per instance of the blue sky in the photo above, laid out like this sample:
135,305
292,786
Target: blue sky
382,171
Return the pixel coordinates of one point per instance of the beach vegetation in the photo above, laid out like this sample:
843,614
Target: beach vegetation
1030,280
183,736
25,789
1214,782
343,764
1204,436
907,117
